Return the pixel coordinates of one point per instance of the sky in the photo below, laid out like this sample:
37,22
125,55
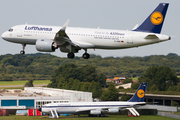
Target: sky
106,14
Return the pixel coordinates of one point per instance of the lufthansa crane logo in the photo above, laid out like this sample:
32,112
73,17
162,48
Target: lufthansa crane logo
140,93
156,18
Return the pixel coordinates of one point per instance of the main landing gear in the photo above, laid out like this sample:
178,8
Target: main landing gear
22,51
70,55
85,55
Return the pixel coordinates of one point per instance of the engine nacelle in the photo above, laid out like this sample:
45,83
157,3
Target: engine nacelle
95,112
113,110
45,45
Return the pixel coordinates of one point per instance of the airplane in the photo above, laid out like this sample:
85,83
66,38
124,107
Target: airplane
97,108
72,39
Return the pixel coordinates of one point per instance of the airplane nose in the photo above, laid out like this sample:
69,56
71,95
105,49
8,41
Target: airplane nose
4,35
169,38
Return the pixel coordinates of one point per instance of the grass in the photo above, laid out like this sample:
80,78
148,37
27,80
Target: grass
36,82
22,88
135,79
177,113
111,117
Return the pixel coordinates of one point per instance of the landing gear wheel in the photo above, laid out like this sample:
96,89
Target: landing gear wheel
22,52
70,55
86,56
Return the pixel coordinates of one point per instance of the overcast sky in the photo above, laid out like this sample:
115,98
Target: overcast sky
108,14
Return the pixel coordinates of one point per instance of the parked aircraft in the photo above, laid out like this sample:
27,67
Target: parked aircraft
72,39
97,108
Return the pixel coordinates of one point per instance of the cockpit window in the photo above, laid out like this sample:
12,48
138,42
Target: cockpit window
10,30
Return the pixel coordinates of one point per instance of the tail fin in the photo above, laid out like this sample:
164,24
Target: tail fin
155,20
140,93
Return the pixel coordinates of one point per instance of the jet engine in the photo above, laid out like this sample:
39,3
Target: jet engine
113,110
95,112
45,45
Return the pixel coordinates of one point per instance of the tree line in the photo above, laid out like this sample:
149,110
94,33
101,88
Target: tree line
85,78
42,66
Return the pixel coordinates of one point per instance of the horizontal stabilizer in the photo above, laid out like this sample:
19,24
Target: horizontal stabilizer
152,36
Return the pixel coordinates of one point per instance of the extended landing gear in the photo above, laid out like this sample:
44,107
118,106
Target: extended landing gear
85,55
70,55
22,51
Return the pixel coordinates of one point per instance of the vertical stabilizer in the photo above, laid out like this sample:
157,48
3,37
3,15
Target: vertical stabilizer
155,20
140,93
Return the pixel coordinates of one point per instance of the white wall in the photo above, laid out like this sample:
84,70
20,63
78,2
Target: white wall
75,96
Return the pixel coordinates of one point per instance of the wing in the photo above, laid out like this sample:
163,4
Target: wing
88,109
61,38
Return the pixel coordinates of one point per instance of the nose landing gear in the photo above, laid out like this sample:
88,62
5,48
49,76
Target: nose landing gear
22,51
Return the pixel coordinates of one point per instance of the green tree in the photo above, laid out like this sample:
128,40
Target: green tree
97,90
129,80
61,82
70,84
174,103
125,97
29,83
112,91
75,85
161,76
91,86
85,86
86,73
135,85
178,87
104,95
110,94
153,88
172,88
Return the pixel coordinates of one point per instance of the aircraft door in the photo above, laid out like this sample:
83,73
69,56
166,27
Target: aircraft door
19,33
130,39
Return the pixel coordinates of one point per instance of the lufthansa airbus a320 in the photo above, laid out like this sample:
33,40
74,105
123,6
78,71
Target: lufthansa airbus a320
72,39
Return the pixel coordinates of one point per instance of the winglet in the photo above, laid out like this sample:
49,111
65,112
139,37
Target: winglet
62,32
155,20
140,93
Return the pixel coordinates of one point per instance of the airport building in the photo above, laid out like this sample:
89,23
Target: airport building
35,97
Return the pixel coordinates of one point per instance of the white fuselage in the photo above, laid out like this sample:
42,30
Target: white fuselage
86,107
88,37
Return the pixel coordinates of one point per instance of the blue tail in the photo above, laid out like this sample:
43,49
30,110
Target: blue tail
155,20
140,93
